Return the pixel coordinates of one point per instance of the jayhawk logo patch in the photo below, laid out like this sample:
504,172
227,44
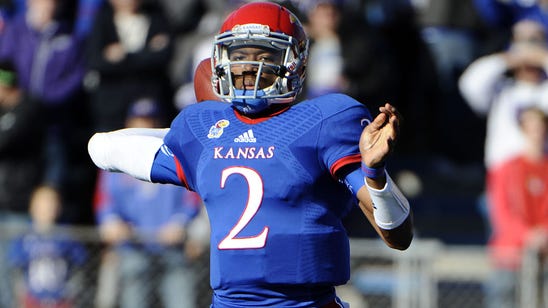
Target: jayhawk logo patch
217,130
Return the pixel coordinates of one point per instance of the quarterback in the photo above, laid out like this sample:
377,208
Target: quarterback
276,175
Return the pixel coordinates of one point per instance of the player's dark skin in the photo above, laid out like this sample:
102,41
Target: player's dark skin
376,142
244,76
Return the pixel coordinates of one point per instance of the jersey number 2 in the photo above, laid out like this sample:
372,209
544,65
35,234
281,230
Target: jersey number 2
255,186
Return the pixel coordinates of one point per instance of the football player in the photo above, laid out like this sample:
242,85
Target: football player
276,175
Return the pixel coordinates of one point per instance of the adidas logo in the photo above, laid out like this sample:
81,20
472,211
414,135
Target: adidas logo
246,137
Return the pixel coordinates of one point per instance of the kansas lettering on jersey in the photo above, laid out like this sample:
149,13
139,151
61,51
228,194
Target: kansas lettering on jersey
243,152
269,186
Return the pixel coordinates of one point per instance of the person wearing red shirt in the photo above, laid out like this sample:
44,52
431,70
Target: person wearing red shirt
519,214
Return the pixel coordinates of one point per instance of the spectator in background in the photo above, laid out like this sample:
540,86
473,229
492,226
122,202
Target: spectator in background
49,61
498,85
80,13
129,49
50,67
502,15
21,166
499,18
191,50
85,14
453,32
325,72
21,137
519,213
195,46
387,61
7,10
46,257
376,38
184,15
10,9
147,224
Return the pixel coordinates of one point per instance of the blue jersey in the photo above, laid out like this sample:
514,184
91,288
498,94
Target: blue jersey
47,261
272,194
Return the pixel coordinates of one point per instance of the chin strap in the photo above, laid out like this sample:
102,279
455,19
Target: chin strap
250,105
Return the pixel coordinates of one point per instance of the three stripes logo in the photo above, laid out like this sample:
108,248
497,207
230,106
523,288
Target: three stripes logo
166,150
246,137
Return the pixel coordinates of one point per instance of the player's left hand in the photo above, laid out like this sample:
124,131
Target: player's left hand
379,137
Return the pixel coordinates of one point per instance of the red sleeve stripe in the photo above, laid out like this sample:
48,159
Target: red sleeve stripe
180,172
352,159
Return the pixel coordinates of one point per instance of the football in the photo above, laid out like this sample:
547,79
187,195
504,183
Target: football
202,82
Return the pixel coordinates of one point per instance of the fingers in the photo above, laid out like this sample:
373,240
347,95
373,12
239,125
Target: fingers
389,110
382,118
393,115
385,126
379,121
393,119
387,107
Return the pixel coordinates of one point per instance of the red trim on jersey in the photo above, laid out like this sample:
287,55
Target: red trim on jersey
352,159
180,172
100,197
249,120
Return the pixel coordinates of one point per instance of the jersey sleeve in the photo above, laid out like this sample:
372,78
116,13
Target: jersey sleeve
165,168
176,160
344,120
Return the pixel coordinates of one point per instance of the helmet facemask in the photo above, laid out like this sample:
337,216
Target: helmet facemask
287,67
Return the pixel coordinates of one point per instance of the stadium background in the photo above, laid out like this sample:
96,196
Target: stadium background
438,165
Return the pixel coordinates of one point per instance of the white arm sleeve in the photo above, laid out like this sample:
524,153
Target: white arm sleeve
477,84
130,150
390,206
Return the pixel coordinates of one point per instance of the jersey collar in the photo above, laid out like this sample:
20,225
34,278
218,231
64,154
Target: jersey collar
254,119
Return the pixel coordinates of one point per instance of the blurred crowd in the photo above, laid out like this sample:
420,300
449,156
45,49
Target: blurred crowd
462,73
82,63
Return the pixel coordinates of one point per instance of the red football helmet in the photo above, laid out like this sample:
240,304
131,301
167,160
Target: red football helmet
264,25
